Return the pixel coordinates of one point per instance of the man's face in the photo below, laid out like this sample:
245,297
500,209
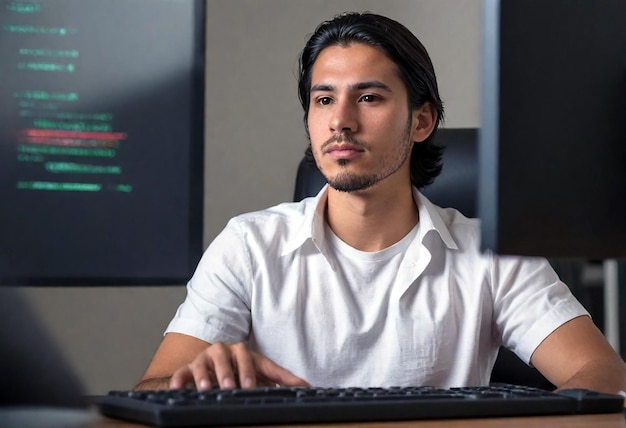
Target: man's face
359,120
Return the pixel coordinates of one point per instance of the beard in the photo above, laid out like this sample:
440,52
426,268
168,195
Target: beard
349,181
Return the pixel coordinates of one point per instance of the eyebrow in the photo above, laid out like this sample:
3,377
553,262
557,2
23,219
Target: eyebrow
356,87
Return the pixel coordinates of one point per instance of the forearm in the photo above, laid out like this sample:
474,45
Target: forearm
154,383
602,376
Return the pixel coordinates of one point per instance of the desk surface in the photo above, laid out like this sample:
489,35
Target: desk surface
587,421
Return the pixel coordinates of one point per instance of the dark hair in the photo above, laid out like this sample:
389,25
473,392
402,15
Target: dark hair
414,65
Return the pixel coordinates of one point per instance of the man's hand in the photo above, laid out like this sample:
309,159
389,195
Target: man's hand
231,366
182,360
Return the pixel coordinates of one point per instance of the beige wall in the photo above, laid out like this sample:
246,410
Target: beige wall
254,140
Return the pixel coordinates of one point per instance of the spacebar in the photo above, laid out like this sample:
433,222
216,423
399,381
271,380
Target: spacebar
257,393
417,397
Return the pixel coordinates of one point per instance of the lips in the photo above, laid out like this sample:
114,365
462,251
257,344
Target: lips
343,150
343,147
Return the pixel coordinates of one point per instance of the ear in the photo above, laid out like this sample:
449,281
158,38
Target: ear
424,121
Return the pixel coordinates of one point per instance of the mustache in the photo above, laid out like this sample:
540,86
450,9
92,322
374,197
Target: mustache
343,138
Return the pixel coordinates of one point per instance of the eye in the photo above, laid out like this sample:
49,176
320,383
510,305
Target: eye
369,98
323,101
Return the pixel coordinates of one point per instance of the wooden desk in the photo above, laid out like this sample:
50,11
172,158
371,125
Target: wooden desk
616,420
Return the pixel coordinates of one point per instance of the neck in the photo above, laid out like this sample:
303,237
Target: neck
373,219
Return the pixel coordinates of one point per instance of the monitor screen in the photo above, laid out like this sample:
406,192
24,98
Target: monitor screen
101,141
552,145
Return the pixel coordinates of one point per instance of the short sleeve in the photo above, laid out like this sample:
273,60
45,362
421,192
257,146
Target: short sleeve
530,302
217,305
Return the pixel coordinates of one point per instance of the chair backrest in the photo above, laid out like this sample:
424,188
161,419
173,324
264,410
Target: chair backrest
457,187
309,181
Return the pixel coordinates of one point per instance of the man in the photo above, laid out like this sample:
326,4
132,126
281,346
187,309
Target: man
370,284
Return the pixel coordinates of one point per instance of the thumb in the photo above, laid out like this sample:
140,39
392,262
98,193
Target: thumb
274,373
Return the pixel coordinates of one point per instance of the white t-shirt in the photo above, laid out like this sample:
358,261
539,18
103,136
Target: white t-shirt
429,310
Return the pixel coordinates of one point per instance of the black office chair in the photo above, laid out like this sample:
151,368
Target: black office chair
456,187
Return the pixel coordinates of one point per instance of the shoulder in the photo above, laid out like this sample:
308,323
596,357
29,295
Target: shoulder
279,228
465,230
455,219
250,238
455,229
284,216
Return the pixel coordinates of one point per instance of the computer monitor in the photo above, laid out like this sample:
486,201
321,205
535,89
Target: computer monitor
101,141
552,145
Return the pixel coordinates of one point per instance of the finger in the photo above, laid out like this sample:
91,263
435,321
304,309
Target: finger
181,378
274,374
203,369
242,359
222,362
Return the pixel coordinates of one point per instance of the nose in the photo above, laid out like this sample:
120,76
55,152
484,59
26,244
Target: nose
343,117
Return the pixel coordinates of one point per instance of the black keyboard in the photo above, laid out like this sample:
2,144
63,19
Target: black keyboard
317,405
